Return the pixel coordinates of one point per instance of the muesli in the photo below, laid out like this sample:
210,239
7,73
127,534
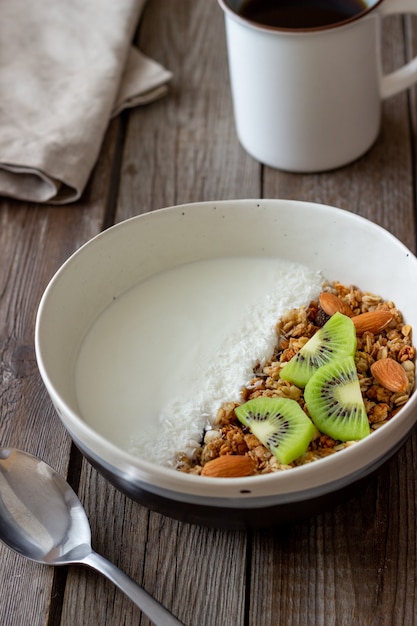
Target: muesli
384,360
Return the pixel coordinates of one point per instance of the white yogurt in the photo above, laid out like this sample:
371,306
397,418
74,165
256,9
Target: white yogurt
160,360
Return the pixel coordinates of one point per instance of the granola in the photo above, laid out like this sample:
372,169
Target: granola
228,436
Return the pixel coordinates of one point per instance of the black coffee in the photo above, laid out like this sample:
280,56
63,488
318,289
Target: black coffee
300,13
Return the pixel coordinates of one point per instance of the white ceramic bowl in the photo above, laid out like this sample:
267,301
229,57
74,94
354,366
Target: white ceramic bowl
342,245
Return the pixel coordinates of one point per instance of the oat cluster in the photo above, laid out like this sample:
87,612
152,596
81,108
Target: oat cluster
228,436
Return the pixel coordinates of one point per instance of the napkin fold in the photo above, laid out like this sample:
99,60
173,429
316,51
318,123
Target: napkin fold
66,68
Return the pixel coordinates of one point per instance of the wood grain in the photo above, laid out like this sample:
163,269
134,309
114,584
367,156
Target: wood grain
355,564
34,241
339,568
184,148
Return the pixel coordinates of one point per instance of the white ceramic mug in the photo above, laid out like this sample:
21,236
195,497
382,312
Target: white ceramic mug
310,100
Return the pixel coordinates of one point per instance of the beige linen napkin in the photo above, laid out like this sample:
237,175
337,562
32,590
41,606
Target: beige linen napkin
66,67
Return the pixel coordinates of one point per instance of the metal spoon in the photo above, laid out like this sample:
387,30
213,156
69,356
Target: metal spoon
42,519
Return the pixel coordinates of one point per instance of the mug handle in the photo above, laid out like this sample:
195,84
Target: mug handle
406,75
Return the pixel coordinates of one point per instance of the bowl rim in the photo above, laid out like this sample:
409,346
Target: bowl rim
324,475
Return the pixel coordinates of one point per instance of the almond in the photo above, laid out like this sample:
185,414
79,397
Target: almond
229,466
372,321
390,374
331,304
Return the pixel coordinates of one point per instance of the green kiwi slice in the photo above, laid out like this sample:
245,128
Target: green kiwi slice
280,424
335,340
334,401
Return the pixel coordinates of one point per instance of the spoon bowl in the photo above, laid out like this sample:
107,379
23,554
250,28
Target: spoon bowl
42,519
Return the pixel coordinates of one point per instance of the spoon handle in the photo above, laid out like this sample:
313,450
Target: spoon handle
159,615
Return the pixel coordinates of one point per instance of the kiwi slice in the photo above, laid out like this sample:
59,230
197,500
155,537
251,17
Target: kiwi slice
280,424
335,340
334,401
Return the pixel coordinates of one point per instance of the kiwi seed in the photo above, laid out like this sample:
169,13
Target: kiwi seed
280,424
333,341
334,401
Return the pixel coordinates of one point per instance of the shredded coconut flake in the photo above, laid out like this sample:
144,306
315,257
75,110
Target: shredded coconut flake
226,364
159,362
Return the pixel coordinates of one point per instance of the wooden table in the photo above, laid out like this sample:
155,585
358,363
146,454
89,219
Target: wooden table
355,564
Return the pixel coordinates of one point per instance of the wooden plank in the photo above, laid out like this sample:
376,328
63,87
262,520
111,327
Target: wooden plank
339,568
357,563
198,573
184,148
34,241
191,570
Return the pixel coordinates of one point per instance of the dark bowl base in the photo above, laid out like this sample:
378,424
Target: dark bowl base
236,518
230,518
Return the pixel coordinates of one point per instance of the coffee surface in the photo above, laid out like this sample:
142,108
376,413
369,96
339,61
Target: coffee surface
300,13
